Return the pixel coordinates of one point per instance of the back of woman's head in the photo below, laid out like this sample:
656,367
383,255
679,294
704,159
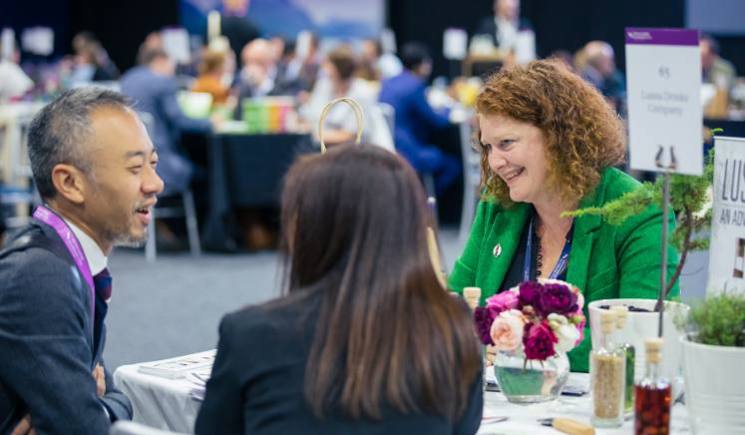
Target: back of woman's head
354,224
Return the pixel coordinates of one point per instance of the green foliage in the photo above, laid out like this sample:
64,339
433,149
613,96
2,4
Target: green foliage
688,196
688,199
719,321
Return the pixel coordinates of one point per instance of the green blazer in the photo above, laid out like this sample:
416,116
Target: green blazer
605,261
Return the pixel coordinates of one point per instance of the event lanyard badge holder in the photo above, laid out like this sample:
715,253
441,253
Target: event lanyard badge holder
47,216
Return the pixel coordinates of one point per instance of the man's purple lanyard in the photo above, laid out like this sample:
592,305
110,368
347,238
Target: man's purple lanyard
44,214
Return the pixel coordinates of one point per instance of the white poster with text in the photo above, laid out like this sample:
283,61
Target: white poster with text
727,249
664,85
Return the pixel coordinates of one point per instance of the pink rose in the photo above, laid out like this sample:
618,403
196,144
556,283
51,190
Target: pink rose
581,328
507,330
507,300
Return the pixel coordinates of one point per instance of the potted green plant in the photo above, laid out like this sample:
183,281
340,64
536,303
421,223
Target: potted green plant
690,201
713,357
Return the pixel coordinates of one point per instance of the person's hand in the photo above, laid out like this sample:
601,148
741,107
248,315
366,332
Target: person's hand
24,427
100,377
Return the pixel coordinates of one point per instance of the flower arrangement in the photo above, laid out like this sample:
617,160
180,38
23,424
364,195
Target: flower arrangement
537,318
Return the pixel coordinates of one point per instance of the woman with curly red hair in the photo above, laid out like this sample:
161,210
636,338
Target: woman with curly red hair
549,143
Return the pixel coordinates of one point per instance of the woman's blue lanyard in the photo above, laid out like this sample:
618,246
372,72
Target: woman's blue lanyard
561,265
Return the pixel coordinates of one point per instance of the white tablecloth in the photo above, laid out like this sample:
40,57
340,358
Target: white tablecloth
522,418
167,404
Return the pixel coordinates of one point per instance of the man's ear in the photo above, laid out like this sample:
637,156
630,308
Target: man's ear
69,182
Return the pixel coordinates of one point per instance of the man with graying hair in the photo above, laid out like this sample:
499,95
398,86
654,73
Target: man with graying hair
94,166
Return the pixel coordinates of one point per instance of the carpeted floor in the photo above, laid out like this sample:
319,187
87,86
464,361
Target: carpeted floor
173,306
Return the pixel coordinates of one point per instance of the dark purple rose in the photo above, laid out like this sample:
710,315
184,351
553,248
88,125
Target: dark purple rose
539,341
557,298
483,319
530,294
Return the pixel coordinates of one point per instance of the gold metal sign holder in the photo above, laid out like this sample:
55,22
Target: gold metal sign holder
434,251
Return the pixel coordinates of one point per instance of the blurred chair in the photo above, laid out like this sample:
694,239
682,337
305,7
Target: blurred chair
389,113
379,124
122,427
471,178
187,211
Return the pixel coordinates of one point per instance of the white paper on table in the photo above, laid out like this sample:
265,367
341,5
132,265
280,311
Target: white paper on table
454,44
728,218
664,98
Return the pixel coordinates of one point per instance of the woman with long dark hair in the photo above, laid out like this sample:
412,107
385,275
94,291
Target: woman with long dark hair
366,340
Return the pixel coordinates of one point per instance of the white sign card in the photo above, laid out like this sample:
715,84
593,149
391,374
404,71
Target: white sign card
727,248
663,67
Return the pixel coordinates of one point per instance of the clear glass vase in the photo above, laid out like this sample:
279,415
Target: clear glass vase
531,381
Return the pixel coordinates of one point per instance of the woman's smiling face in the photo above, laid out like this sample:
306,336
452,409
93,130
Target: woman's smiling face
516,153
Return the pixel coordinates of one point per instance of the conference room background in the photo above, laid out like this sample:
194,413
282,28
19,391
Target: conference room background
564,24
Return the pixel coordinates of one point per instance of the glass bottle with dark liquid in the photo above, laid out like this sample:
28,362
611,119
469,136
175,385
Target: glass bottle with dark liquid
653,395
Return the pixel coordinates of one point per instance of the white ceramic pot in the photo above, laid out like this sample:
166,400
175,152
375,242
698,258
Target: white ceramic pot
643,325
715,387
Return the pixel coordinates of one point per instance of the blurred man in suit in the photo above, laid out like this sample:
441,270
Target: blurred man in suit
596,63
94,167
235,25
416,120
153,89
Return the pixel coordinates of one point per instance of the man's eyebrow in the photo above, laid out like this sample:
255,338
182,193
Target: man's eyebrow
130,154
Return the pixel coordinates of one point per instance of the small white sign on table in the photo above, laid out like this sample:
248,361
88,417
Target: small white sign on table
665,115
727,249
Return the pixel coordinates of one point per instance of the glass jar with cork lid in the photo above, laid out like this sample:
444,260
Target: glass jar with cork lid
607,376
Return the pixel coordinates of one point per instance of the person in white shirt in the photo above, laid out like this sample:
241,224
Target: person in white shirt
14,82
340,124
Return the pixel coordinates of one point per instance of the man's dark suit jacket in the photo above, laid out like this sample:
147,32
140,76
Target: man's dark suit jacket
259,374
49,345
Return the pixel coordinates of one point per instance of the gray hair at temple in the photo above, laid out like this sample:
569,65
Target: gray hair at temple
58,133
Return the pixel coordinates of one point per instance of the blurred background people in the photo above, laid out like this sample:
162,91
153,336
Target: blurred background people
339,81
236,26
153,88
211,79
714,69
259,69
375,64
92,62
596,63
415,119
503,27
361,293
14,83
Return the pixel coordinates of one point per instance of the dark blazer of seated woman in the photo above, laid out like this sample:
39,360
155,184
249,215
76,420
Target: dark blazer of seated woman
366,341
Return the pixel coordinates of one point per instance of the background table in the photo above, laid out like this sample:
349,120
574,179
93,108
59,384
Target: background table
246,170
167,404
